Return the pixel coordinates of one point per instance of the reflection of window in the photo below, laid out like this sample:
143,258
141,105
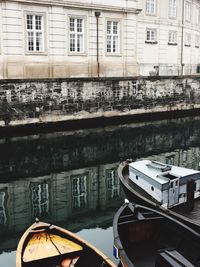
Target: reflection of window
3,218
35,33
79,191
112,184
40,199
170,160
184,156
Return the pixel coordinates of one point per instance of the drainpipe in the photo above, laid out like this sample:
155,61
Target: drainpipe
182,35
97,14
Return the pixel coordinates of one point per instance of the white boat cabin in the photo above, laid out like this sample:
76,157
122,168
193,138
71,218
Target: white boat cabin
167,184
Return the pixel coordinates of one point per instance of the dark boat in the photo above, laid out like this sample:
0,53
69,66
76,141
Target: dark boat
188,212
48,245
145,237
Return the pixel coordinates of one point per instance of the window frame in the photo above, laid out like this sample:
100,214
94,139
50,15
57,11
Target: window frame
172,9
112,35
188,11
151,41
84,49
43,27
148,7
197,40
197,15
187,41
174,34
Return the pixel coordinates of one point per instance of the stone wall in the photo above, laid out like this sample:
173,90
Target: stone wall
24,102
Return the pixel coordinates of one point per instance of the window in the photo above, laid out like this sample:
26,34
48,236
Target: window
151,35
172,37
188,11
112,37
79,191
76,37
40,200
197,41
197,15
151,7
172,8
35,33
112,184
187,39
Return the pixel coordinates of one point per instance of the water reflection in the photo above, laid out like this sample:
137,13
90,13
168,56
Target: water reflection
70,178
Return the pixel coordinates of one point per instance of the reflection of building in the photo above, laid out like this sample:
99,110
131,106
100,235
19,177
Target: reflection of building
189,158
58,197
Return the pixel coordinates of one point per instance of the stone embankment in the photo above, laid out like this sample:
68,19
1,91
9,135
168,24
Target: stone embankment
28,102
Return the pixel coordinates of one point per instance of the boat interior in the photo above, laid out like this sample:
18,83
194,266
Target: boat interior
84,255
150,239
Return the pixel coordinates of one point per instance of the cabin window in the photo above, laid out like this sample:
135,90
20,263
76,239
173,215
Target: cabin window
176,182
136,177
112,184
152,188
79,191
40,199
3,217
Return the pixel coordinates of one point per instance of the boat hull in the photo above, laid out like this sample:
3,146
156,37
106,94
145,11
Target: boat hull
139,196
44,244
144,236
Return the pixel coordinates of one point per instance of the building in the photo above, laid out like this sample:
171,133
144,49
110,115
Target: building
168,37
64,38
51,39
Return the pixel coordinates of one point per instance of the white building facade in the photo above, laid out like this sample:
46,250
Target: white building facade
123,38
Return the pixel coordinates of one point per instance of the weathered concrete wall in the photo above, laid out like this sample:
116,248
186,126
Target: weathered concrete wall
39,101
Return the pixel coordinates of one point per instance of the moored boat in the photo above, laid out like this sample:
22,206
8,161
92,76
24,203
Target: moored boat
48,245
169,188
146,237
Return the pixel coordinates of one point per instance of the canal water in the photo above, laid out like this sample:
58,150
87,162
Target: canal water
69,178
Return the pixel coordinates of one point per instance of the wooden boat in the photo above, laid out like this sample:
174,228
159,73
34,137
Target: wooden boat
187,211
145,237
48,245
